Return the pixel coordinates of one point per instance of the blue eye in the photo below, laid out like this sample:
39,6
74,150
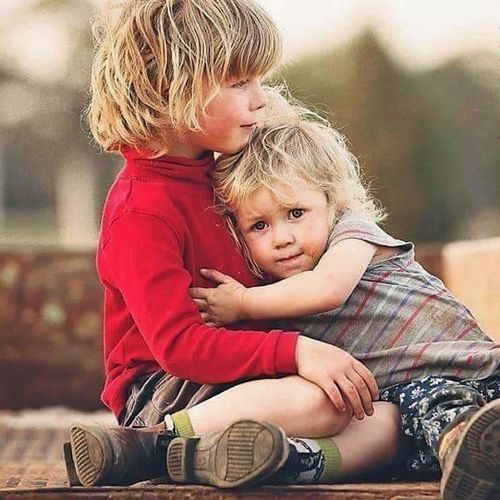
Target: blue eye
259,226
296,213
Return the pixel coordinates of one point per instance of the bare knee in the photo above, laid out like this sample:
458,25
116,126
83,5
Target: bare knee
308,402
388,420
387,412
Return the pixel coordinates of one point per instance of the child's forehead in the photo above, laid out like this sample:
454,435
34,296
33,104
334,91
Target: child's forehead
281,195
263,200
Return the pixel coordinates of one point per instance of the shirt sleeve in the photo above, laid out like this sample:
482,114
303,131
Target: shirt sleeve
357,226
144,255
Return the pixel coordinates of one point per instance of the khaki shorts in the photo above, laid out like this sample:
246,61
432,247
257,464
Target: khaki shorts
155,395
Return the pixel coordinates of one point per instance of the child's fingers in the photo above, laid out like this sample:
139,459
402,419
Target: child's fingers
368,377
199,293
206,317
364,393
201,304
215,275
332,391
350,394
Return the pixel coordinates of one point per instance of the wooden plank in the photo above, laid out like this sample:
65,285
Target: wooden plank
369,491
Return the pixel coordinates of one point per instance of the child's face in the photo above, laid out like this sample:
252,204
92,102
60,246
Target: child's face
285,240
231,118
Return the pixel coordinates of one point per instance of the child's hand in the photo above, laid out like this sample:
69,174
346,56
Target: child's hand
344,379
222,305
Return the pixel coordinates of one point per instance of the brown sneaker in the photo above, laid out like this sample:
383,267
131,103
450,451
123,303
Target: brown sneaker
245,453
470,457
114,456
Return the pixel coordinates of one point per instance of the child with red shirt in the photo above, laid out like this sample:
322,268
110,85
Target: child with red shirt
173,81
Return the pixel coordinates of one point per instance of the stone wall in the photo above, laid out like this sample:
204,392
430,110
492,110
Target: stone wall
50,324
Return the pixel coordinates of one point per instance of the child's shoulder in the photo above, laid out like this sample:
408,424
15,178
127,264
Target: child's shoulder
357,225
131,195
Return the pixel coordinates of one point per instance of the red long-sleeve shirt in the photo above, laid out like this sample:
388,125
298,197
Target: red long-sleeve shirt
158,229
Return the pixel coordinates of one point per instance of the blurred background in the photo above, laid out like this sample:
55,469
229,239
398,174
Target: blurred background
414,85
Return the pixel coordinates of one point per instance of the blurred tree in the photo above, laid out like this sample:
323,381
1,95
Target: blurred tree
426,138
459,149
50,158
369,98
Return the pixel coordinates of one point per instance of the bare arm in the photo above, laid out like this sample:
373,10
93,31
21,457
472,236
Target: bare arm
324,288
342,377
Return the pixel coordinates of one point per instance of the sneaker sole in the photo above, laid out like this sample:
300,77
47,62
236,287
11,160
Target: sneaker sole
70,466
92,456
245,453
477,450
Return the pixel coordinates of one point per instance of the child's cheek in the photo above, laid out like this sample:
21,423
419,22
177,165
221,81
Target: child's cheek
263,254
316,243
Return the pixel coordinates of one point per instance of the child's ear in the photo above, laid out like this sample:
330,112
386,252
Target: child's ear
332,210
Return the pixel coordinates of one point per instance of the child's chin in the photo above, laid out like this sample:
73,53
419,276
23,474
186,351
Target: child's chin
282,274
233,148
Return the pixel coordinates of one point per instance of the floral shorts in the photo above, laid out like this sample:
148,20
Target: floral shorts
427,407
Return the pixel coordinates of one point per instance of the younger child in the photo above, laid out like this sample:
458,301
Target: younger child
304,220
172,82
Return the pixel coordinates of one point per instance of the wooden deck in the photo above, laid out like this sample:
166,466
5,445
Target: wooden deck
416,491
31,466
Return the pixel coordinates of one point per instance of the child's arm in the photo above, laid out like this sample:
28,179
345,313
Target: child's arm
324,288
146,269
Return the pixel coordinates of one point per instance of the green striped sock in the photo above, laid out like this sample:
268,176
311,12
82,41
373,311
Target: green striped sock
333,460
182,424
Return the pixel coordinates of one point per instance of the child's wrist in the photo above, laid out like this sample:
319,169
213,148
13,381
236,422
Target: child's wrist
245,313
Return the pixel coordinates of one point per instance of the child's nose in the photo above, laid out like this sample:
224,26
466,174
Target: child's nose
259,97
282,236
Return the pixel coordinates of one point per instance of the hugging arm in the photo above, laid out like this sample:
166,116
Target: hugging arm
156,292
322,289
341,376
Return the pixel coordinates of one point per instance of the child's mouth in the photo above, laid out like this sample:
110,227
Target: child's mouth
249,126
291,258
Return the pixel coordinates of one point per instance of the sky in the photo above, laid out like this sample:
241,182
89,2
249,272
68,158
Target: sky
420,33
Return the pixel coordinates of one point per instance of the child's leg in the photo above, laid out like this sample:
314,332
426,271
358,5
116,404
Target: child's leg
370,443
427,407
361,447
298,406
303,409
293,402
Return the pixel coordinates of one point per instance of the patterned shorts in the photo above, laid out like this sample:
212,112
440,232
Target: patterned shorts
427,407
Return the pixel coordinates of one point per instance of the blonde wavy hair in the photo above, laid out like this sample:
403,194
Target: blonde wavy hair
158,64
293,146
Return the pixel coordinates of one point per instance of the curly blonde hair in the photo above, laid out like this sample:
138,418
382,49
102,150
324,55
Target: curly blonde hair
295,146
158,64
